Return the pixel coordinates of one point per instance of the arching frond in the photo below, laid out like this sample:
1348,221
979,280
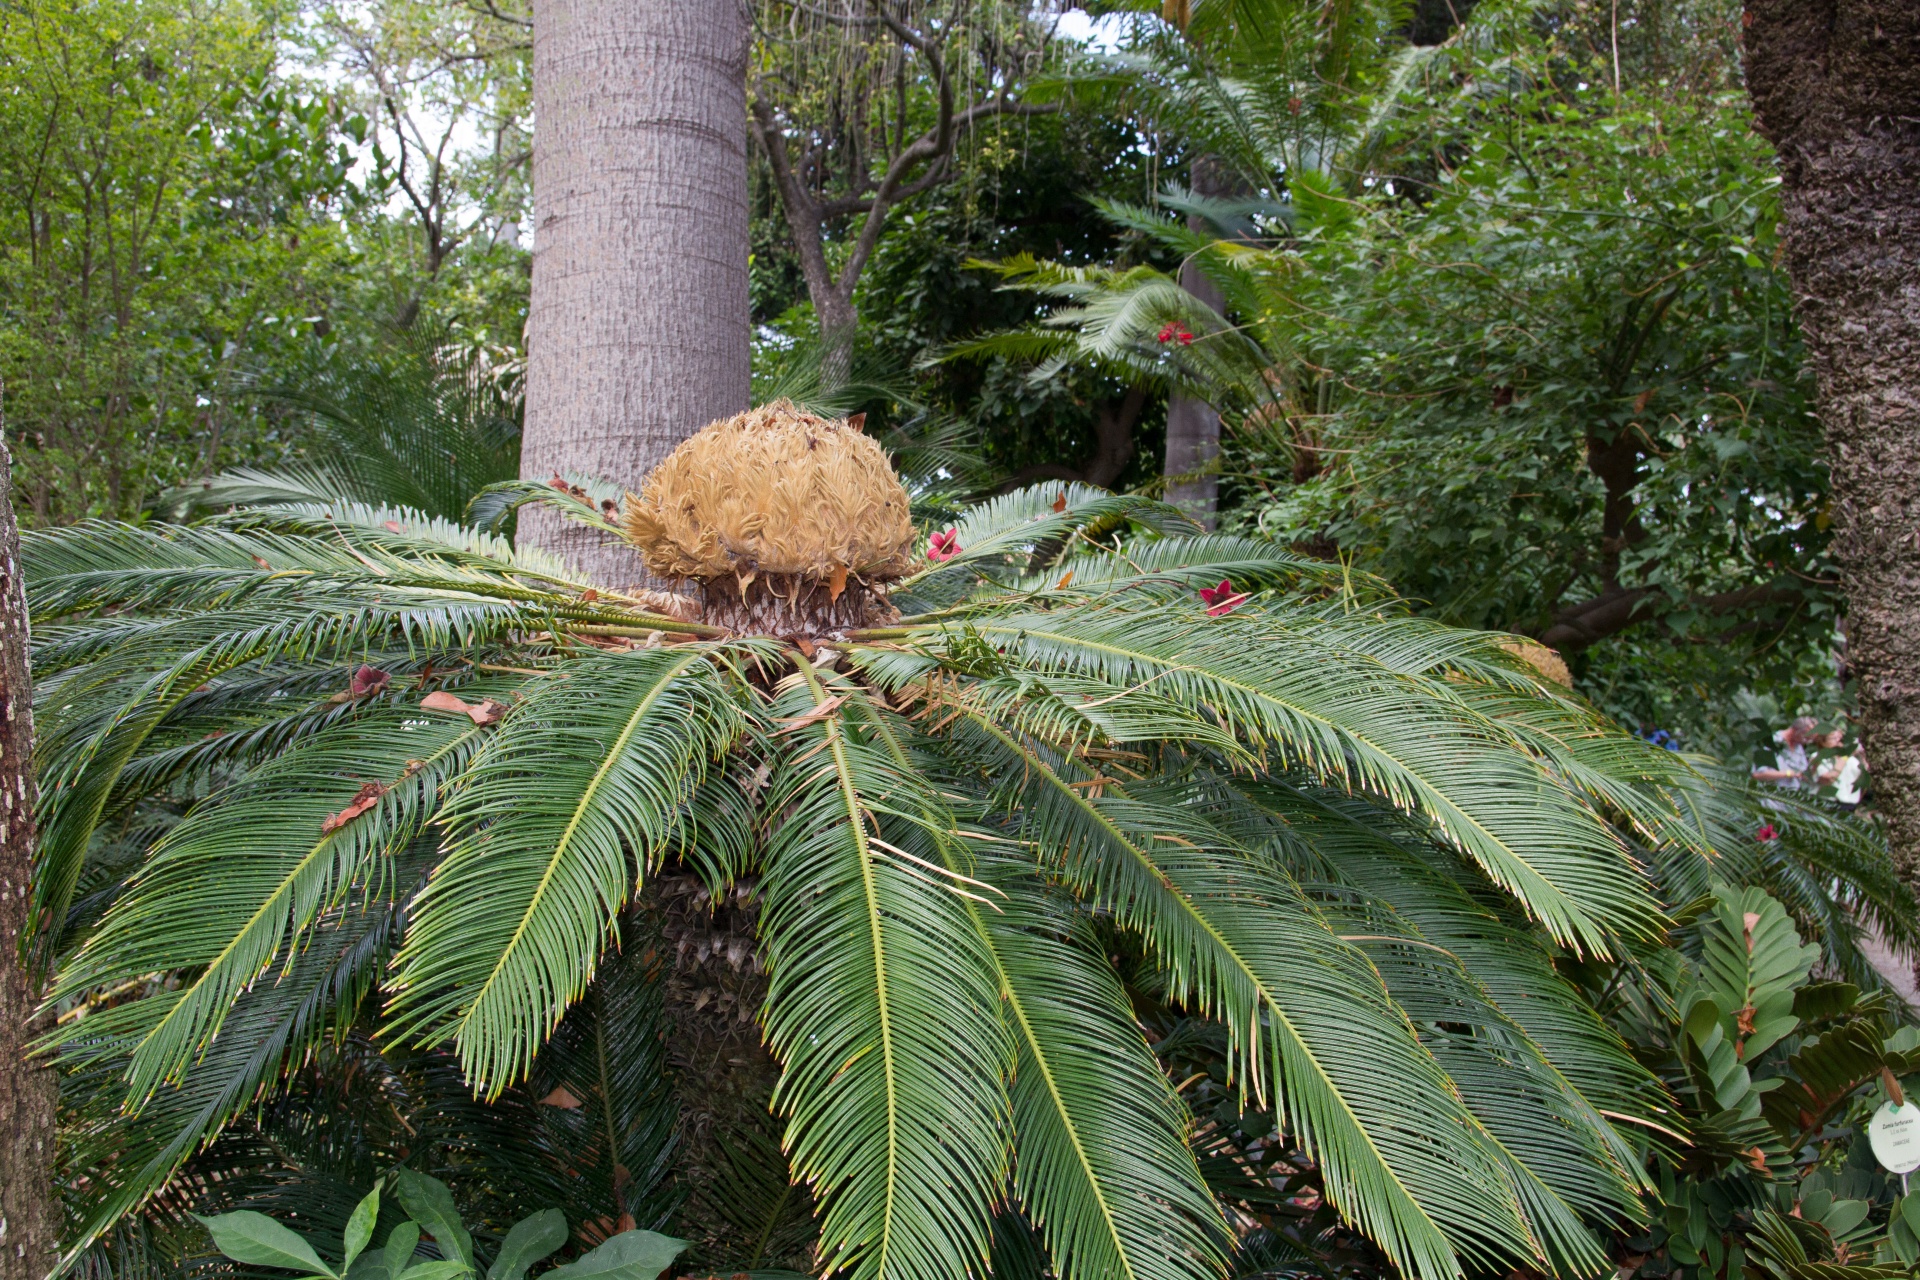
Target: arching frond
882,1005
1309,1019
1360,724
1101,1164
313,994
320,823
549,831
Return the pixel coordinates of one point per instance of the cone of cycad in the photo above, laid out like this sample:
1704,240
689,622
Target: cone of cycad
1547,662
791,524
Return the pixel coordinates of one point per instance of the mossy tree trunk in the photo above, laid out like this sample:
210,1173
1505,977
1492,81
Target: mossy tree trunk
1836,87
29,1214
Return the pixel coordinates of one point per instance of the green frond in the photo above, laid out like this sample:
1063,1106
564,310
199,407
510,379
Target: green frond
1357,843
1102,1164
549,830
1002,538
246,874
1101,1161
1359,724
1311,1024
882,1004
312,994
1184,564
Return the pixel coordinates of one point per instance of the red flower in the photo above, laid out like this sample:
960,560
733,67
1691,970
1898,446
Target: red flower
943,547
1171,332
1766,833
1221,599
368,680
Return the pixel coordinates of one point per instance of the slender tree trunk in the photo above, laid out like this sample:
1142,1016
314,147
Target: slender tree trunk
637,329
1836,87
29,1214
1193,426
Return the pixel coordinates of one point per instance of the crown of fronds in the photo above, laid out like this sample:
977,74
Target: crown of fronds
1352,840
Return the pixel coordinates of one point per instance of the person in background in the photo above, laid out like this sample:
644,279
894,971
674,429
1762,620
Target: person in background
1845,773
1790,762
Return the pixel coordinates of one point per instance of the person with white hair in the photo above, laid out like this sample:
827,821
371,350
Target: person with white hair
1790,762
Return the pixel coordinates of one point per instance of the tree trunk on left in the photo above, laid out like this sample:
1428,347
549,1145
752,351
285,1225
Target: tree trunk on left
637,329
1836,87
29,1213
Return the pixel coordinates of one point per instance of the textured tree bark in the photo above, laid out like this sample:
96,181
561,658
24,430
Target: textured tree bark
1193,426
1836,87
29,1215
637,329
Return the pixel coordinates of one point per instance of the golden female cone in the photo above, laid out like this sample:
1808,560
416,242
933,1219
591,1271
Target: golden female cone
774,491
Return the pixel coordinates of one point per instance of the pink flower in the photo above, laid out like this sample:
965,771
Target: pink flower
368,680
943,547
1222,599
1766,833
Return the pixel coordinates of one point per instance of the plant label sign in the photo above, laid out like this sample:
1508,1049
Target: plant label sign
1894,1133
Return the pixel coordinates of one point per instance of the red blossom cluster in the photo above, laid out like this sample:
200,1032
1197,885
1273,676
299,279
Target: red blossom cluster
943,547
1222,599
1172,332
1766,833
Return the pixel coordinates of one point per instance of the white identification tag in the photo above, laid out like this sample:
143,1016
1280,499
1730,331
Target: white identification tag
1894,1134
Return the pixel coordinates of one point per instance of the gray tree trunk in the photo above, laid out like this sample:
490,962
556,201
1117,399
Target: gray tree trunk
29,1214
638,335
1836,87
637,331
1193,426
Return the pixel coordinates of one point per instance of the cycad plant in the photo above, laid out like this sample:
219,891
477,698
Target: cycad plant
981,779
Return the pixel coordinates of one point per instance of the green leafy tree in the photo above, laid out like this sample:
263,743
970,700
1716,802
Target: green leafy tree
1352,840
1514,341
167,201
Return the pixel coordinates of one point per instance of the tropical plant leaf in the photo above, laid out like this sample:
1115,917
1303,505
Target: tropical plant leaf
882,1006
550,829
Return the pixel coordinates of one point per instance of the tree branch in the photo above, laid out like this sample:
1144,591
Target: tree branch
1617,608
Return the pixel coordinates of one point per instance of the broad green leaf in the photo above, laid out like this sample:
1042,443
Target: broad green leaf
429,1202
256,1240
531,1239
360,1228
631,1255
437,1269
402,1241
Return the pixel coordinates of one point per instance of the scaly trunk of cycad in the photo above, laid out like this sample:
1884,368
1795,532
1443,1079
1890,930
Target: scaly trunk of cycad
782,524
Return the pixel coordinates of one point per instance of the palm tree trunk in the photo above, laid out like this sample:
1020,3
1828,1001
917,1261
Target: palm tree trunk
1193,425
29,1215
637,329
638,335
1836,87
